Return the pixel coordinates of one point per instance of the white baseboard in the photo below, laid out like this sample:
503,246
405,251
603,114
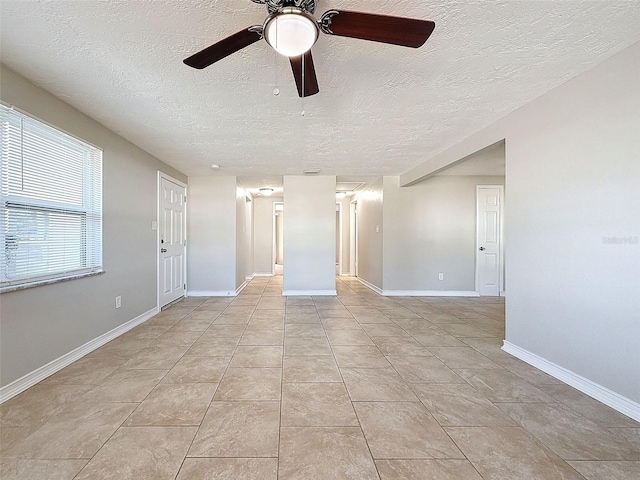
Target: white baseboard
602,394
430,293
211,293
241,287
370,286
263,274
317,293
30,379
419,293
248,278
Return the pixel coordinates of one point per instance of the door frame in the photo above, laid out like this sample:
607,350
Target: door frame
156,225
353,238
501,291
274,249
339,233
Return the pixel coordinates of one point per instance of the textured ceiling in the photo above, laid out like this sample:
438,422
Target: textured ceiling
381,109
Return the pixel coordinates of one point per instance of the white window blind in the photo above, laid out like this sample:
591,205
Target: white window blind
50,203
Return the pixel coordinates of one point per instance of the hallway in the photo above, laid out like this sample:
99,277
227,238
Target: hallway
356,386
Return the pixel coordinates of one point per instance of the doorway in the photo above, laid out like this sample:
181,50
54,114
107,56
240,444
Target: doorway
489,240
278,238
353,239
172,245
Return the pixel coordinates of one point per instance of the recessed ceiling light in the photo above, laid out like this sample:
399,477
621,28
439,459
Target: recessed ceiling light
215,166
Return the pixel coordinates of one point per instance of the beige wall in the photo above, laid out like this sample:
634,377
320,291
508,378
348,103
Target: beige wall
39,325
369,212
309,234
211,234
430,228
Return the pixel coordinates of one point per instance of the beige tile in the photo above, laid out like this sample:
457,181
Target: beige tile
301,310
359,357
250,384
608,470
85,371
465,330
245,299
221,331
262,336
302,318
232,318
20,469
462,357
211,346
198,370
423,369
329,453
140,452
307,346
510,453
229,469
426,470
257,356
340,323
349,336
460,405
431,339
589,407
126,386
384,330
527,372
396,430
193,323
568,433
400,346
376,385
271,303
238,429
267,319
304,330
503,386
39,403
174,405
308,368
77,432
156,358
317,404
173,338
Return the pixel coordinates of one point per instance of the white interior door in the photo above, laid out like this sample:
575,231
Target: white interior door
171,225
489,240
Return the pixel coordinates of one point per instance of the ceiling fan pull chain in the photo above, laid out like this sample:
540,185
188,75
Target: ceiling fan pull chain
302,96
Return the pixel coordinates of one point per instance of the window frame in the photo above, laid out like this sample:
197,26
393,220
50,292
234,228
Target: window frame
89,247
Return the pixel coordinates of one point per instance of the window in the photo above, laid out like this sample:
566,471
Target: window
50,203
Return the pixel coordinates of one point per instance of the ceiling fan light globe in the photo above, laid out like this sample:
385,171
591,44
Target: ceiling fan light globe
291,32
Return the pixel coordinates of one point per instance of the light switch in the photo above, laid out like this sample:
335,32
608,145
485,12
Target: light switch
154,225
377,228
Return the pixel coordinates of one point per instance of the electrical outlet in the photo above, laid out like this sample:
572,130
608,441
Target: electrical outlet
118,301
441,276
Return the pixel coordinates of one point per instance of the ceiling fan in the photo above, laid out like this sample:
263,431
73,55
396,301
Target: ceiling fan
291,29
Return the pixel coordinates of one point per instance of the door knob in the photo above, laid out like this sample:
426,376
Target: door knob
163,250
481,249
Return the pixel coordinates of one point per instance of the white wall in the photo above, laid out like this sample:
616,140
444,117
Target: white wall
211,236
430,228
573,169
39,325
309,234
370,216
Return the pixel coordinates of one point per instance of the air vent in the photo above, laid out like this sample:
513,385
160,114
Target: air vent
311,171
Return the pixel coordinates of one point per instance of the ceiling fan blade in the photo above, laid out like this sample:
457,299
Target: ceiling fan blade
225,47
407,32
310,83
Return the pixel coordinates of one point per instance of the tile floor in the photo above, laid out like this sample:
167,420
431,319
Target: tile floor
357,386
